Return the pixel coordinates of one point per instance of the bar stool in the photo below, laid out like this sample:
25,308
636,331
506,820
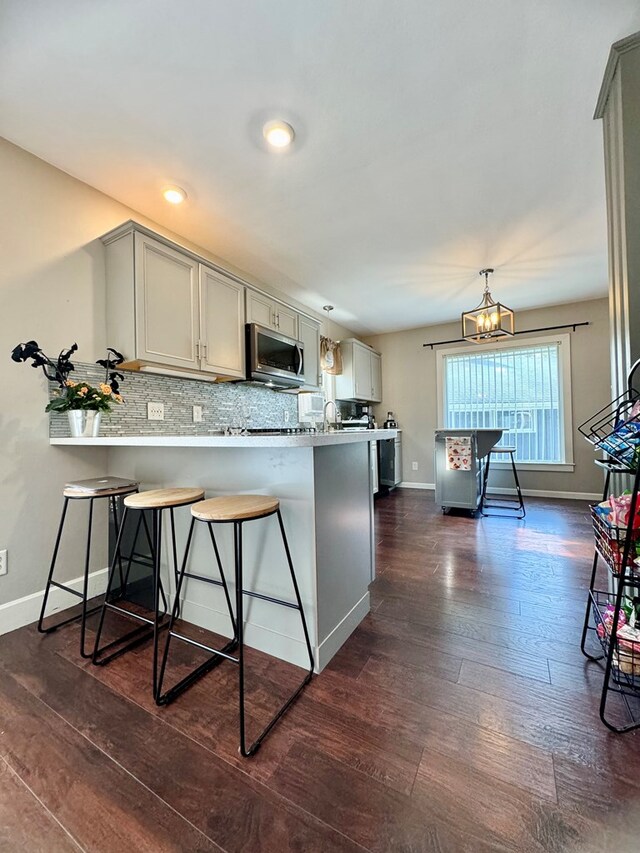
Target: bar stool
156,501
236,510
84,490
507,505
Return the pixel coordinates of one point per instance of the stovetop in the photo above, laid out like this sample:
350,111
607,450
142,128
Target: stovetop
283,431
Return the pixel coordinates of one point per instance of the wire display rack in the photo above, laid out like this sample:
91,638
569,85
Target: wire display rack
610,614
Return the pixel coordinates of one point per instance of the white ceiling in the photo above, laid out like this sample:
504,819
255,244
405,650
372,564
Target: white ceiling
434,137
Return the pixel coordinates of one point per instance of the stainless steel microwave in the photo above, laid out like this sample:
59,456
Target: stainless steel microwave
274,359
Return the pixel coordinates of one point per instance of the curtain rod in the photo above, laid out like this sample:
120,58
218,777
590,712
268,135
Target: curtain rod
572,326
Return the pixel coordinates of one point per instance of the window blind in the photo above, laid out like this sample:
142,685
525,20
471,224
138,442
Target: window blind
517,390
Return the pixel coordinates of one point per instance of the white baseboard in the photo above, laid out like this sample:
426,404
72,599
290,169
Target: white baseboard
545,493
532,493
341,633
24,611
406,485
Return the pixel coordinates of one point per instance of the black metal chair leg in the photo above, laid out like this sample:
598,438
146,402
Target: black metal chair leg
52,567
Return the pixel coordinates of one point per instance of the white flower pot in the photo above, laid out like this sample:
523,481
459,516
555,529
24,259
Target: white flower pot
84,424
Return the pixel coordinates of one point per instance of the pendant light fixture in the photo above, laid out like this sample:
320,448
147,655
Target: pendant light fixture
489,319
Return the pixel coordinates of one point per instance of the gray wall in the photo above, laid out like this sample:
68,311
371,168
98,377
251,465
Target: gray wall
52,286
409,390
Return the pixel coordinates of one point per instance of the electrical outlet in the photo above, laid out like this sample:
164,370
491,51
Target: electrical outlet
155,411
197,415
4,564
414,466
285,413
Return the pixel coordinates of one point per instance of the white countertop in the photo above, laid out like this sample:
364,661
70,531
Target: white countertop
302,440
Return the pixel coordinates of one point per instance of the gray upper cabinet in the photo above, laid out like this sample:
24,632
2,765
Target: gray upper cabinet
361,373
168,307
309,335
376,377
221,324
272,314
167,311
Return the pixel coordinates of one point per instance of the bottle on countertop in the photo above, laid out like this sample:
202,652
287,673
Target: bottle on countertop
390,422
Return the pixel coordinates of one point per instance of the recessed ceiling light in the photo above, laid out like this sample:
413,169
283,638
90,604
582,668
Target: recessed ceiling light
174,195
278,134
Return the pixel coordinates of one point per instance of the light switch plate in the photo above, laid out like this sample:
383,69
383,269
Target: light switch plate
4,565
155,411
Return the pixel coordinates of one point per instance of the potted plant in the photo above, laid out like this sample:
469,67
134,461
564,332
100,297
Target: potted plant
82,402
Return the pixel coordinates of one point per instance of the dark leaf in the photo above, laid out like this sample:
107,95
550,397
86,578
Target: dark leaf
119,358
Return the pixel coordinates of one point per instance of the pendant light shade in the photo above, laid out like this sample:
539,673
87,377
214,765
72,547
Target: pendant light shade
489,319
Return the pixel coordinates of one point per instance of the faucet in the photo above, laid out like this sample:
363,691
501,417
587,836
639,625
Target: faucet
325,422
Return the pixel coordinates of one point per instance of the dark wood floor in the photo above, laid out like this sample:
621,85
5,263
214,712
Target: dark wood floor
459,718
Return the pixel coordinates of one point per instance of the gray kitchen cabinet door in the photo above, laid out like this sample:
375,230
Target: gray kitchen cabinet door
287,321
261,310
167,321
376,377
222,349
267,312
309,332
361,372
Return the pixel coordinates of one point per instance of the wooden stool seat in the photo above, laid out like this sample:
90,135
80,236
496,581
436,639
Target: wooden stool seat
163,498
235,508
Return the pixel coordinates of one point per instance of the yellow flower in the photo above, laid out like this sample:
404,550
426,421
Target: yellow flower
106,389
82,391
70,384
118,398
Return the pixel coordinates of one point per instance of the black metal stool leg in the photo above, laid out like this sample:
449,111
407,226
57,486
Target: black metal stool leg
138,635
237,549
485,480
255,746
52,567
297,593
517,482
113,501
85,584
218,656
224,581
176,571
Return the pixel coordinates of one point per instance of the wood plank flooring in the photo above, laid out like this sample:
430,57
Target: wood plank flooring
459,718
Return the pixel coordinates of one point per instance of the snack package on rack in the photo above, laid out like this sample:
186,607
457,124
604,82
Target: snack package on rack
627,657
621,511
624,442
604,628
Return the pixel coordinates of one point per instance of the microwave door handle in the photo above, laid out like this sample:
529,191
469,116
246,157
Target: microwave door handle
300,360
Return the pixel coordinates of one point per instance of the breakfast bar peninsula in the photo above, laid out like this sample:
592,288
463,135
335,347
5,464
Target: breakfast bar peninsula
323,481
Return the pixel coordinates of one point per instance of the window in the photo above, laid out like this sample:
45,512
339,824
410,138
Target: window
521,390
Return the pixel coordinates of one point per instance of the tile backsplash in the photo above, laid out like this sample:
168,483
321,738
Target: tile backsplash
224,404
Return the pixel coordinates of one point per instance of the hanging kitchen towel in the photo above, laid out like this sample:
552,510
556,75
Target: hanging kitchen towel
458,453
330,356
